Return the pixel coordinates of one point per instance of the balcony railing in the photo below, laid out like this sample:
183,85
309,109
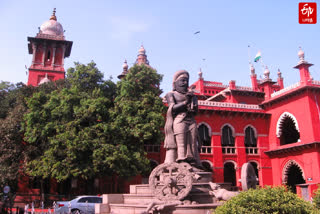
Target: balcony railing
152,148
228,150
252,150
206,150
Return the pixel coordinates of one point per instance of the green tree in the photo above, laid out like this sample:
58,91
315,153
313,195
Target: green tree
137,119
66,126
266,200
12,148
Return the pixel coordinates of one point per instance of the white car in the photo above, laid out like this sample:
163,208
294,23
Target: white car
81,204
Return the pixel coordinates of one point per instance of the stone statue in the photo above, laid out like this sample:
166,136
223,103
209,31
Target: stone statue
181,134
220,193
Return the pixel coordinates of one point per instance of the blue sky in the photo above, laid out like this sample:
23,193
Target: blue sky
110,31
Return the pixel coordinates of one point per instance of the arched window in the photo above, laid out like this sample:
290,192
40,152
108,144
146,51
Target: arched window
289,132
204,135
227,138
287,129
207,165
250,140
48,55
250,137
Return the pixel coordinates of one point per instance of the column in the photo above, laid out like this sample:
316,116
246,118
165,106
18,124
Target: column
34,49
44,51
53,54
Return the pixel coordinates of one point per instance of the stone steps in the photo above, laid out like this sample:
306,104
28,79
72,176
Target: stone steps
180,209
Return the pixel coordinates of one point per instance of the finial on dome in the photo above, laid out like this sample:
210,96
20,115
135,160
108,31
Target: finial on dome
301,54
200,74
53,16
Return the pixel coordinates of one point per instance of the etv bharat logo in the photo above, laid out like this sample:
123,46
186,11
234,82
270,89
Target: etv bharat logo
307,13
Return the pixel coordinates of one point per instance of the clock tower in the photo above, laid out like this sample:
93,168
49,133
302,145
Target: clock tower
48,49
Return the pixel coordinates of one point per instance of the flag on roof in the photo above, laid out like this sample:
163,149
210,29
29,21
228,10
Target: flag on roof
258,56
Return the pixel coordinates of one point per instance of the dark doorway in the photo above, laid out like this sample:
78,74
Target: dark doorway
295,177
255,166
229,173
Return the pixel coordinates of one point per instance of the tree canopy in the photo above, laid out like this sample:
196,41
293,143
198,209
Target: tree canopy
88,126
12,149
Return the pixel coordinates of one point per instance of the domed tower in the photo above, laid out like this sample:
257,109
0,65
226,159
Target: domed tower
142,57
48,49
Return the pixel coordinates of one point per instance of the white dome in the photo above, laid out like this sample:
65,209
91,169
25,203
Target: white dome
52,27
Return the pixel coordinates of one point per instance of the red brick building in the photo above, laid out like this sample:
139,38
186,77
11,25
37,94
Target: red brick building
277,129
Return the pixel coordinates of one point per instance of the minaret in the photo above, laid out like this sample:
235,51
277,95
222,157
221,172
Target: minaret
253,76
142,57
200,82
280,79
267,83
125,70
48,49
303,67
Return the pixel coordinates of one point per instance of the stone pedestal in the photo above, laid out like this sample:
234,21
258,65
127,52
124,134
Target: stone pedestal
198,201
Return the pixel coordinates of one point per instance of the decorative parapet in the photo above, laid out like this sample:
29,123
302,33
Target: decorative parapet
244,88
48,36
228,105
215,85
285,89
315,82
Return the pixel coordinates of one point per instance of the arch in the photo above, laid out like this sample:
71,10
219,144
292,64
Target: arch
227,136
250,136
229,172
256,168
204,132
228,124
280,121
292,175
207,165
231,161
286,170
254,129
207,125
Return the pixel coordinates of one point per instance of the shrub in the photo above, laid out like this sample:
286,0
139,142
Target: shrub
266,200
316,198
